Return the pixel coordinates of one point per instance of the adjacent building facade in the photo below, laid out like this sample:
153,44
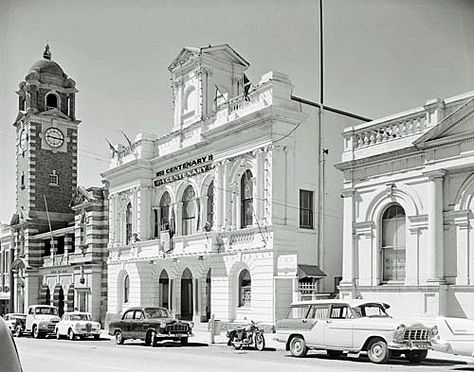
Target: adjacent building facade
59,230
6,255
408,209
237,211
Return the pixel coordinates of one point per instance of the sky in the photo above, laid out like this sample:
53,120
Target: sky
380,57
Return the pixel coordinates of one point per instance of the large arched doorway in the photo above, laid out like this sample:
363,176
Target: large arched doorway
187,295
58,298
164,288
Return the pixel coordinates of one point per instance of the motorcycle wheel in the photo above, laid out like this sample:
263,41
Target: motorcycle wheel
237,345
259,342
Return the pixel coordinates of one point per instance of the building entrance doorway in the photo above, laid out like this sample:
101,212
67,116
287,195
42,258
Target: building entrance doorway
58,299
208,295
164,288
187,295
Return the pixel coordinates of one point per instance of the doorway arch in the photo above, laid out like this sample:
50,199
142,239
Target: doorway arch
187,295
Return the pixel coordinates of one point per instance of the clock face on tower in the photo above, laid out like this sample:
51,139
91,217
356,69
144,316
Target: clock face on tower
54,137
23,139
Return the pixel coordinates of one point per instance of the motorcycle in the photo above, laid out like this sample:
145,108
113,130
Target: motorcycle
247,335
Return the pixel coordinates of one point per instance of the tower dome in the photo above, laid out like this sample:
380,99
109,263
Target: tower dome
47,66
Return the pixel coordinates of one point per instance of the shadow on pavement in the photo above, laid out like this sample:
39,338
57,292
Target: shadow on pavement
393,361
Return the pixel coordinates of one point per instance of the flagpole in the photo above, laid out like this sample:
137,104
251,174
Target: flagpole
320,196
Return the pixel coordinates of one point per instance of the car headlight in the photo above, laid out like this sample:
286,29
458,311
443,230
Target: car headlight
162,325
77,327
401,329
434,331
191,324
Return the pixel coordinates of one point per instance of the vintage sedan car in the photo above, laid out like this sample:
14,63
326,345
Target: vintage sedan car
151,324
9,361
16,323
41,320
352,326
455,336
77,324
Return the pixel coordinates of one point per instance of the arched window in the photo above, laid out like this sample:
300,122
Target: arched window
128,223
165,202
52,100
126,288
190,99
246,199
210,205
189,211
245,288
393,243
164,289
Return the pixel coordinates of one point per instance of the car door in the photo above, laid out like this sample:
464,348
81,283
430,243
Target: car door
126,324
137,324
339,328
317,316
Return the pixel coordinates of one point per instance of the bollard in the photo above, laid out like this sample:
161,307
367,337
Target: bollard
211,329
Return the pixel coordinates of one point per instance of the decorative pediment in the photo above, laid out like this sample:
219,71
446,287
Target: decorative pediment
184,56
222,52
457,125
80,196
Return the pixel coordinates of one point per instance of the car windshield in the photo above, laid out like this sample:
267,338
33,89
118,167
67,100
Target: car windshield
46,311
17,316
80,317
157,312
298,312
370,311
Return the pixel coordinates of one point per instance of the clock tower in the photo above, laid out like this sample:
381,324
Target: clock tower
46,161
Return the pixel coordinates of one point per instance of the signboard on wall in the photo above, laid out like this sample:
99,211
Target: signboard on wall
187,169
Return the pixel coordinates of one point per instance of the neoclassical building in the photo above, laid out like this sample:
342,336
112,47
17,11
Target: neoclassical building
222,215
59,232
408,209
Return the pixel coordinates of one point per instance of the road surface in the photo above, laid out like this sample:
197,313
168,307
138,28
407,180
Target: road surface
51,355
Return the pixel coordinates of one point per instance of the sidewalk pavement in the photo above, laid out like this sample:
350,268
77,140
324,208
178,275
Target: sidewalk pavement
202,336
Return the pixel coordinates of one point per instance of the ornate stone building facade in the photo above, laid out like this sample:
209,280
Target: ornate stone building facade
59,229
408,207
222,215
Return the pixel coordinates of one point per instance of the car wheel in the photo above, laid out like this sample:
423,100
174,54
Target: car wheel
71,335
119,338
298,347
378,351
150,336
58,336
184,341
36,332
259,342
334,353
416,356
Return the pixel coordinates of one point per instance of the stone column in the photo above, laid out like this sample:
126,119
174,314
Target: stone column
464,256
178,215
68,244
348,253
435,264
260,177
219,195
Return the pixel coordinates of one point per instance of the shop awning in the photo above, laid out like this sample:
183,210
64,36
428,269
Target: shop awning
310,271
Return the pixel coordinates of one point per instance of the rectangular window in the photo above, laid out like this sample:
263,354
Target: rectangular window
306,209
23,181
53,179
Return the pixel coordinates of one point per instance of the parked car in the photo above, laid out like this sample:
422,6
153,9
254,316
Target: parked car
151,324
15,322
455,336
9,360
41,320
352,326
77,324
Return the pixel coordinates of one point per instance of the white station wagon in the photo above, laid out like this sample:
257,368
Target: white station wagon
77,324
352,326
